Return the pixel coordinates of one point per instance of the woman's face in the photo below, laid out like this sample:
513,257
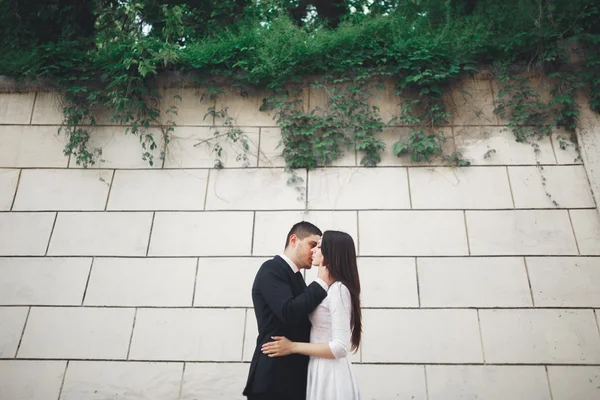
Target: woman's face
317,256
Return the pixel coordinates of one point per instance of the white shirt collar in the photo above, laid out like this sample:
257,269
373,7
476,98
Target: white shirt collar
290,262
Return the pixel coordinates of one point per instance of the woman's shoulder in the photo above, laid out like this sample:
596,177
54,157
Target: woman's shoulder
339,287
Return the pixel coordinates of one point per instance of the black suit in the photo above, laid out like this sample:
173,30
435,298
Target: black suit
282,302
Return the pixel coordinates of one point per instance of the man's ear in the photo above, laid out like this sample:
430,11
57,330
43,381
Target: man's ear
293,240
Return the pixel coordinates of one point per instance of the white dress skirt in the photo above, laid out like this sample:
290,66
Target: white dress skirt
332,379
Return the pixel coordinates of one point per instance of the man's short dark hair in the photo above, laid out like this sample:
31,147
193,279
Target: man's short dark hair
302,230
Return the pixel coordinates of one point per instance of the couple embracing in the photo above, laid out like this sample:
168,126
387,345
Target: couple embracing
306,333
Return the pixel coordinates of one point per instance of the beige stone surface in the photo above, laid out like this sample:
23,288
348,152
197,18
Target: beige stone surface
77,333
101,234
570,154
391,135
32,146
201,234
444,230
188,106
48,109
155,190
134,282
244,108
8,187
100,380
388,282
421,336
522,232
25,234
13,320
188,334
462,382
271,227
565,281
31,380
43,281
214,381
193,147
473,282
574,382
471,102
254,189
475,142
391,382
62,189
16,108
235,274
384,97
358,188
540,187
122,150
460,188
586,225
540,336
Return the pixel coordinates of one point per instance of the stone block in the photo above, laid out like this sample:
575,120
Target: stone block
16,108
145,282
391,382
25,234
538,336
188,334
388,282
444,232
194,147
48,109
8,187
461,382
43,281
13,320
570,153
244,108
574,382
586,225
490,145
101,380
31,147
460,188
101,234
565,281
471,102
201,234
421,336
31,380
271,228
63,189
392,135
191,106
77,333
238,275
214,381
473,282
521,232
254,189
358,188
158,190
541,187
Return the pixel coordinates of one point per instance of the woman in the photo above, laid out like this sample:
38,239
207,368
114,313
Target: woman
336,324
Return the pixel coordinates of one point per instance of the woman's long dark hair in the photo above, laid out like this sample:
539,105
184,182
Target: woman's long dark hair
339,256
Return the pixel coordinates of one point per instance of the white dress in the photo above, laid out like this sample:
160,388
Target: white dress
332,379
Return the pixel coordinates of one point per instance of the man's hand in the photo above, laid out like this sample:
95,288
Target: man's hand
324,274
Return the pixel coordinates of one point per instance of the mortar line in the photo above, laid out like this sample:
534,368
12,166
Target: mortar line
418,285
549,384
16,190
33,108
596,317
574,234
529,281
553,149
244,334
481,337
409,191
195,281
112,180
206,190
512,195
131,336
258,150
358,231
426,382
150,235
62,383
306,191
467,231
253,231
182,378
88,280
51,232
22,333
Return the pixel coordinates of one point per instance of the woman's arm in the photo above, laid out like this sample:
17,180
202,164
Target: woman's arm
283,347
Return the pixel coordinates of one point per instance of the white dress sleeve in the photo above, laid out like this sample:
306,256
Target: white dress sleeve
340,308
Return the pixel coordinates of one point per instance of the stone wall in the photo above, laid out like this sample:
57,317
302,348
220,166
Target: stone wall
129,280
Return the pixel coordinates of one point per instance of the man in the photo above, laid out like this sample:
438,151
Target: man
282,302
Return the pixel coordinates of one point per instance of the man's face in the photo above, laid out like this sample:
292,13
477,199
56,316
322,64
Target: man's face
304,251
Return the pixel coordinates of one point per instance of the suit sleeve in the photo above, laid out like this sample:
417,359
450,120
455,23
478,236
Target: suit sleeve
275,288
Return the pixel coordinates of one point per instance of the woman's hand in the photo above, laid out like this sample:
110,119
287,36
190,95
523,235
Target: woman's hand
281,346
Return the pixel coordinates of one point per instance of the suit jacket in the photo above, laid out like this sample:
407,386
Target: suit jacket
282,302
